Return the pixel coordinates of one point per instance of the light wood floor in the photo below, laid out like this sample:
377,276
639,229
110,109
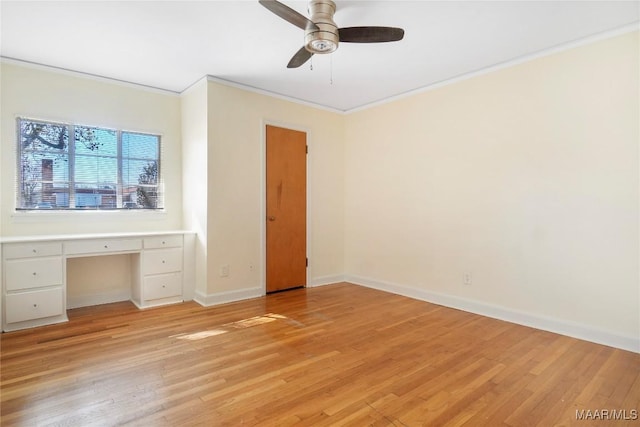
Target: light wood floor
334,355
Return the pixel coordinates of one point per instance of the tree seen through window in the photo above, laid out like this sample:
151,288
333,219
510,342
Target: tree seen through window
66,166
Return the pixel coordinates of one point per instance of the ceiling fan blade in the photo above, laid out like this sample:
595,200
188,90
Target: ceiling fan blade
370,34
301,56
288,14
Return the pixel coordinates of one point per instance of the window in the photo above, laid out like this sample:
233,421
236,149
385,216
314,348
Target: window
63,166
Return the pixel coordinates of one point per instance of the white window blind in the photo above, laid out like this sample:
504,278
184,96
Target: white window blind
63,166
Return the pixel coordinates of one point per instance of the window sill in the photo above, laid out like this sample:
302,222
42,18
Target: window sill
75,215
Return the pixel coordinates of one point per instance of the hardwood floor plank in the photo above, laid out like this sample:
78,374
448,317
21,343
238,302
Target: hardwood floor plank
328,356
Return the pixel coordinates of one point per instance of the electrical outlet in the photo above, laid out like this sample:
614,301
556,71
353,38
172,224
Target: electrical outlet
224,270
467,279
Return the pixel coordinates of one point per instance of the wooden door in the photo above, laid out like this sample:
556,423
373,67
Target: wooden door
286,197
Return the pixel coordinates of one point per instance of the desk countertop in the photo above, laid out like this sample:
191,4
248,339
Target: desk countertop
43,238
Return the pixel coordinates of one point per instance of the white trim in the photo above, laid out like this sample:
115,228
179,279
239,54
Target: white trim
98,298
227,296
558,326
115,235
271,94
495,67
81,74
525,58
325,280
263,206
468,75
37,216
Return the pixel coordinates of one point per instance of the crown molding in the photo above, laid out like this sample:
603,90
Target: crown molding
495,67
276,95
211,78
89,76
465,76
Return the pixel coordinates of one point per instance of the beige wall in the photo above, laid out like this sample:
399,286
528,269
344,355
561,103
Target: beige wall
58,96
527,178
195,163
92,280
236,186
219,131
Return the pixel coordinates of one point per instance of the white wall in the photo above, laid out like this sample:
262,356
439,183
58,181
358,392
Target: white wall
40,93
99,279
195,154
221,140
236,187
526,177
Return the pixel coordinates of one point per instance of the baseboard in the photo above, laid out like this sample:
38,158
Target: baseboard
97,299
217,298
207,300
325,280
559,326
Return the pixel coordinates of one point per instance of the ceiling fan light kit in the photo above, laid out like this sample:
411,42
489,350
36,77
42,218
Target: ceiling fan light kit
325,38
321,34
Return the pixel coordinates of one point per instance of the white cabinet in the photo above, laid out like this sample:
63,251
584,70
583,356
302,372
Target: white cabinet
34,292
162,286
160,242
34,272
160,276
98,246
31,250
161,261
29,306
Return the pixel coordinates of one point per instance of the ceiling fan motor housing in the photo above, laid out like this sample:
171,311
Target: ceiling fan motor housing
325,38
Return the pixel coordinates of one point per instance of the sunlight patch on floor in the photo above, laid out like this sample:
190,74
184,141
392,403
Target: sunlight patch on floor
240,324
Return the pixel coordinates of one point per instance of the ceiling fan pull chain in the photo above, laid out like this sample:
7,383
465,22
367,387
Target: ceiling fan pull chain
311,64
331,70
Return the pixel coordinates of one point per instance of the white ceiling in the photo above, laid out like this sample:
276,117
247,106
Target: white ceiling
172,44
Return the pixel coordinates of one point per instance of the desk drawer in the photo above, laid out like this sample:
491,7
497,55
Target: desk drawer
33,273
31,250
162,261
159,242
162,286
76,247
33,305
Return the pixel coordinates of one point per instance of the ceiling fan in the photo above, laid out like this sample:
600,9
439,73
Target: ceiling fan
322,35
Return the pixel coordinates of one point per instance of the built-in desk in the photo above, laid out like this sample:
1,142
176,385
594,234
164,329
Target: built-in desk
34,283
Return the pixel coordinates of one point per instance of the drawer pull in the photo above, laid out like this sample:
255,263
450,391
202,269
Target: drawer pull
163,242
35,305
106,246
35,251
164,286
163,261
35,274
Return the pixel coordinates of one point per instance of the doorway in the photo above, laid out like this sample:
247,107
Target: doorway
286,209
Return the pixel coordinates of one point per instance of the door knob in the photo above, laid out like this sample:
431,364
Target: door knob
271,218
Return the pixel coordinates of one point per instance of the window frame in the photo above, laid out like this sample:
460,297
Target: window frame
21,206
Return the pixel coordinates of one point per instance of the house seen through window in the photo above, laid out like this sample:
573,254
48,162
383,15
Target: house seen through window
63,166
